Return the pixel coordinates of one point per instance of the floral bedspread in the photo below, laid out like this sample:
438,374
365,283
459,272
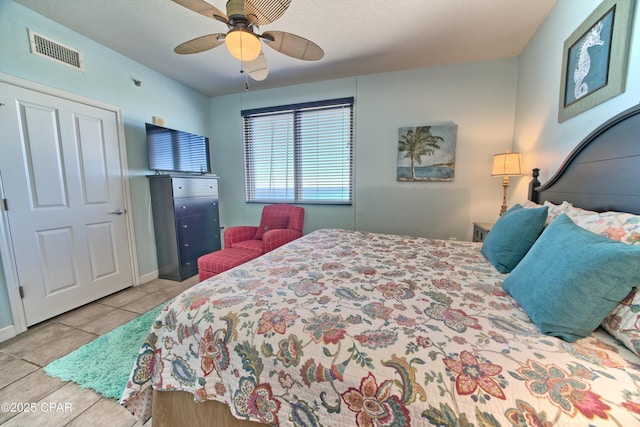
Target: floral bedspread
351,328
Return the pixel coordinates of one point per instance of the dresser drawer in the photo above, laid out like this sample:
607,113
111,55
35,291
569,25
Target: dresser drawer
193,247
197,225
188,266
194,187
189,206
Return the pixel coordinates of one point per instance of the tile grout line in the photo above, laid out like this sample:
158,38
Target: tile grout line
156,287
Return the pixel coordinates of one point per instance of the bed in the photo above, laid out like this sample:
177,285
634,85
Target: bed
344,328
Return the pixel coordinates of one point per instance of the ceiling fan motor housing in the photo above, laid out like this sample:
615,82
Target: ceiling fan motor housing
235,8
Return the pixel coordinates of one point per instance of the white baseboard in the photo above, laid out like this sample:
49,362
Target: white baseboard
7,332
148,277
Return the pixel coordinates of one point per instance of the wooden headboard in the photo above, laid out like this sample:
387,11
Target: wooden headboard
603,172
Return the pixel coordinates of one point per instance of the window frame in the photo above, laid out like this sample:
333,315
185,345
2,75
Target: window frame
294,136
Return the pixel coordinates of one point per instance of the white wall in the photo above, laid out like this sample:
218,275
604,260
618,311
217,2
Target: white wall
544,142
479,97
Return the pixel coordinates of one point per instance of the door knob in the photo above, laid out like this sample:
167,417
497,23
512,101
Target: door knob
118,211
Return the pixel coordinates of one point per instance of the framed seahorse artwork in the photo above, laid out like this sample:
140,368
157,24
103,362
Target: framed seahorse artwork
594,63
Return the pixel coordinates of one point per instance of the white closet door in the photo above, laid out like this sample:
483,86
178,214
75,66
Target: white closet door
60,166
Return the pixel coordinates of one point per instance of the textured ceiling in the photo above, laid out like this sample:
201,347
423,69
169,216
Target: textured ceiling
358,37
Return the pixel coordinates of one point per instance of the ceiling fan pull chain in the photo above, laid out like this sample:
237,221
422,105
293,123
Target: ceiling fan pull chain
243,70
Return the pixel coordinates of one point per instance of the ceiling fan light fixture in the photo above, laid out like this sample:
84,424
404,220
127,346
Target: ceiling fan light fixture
242,44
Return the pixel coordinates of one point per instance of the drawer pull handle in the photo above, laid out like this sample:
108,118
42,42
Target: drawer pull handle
183,207
185,226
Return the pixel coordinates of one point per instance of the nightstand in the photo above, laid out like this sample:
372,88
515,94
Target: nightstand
480,230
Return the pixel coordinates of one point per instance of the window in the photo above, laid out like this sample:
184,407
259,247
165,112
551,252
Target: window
300,153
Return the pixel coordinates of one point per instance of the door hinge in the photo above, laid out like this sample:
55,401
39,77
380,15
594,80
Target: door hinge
5,205
21,291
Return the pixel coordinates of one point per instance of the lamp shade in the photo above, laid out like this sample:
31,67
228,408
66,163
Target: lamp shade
505,164
243,44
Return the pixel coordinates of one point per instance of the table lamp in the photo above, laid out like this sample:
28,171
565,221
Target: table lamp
506,165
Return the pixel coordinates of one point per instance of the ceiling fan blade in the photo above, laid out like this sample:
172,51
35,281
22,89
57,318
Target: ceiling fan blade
257,69
293,46
262,12
203,8
200,44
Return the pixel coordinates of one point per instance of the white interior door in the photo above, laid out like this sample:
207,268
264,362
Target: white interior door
60,165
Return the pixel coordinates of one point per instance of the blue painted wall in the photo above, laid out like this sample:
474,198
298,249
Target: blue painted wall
479,97
544,142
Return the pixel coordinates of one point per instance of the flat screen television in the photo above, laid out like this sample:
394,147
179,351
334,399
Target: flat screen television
172,150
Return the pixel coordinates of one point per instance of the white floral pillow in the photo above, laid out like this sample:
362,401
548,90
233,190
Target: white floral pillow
554,210
529,204
624,321
620,226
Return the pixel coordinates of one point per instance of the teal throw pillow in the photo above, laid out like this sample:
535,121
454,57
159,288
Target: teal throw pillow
512,236
572,278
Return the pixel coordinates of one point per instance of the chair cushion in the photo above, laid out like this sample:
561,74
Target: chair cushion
251,245
271,223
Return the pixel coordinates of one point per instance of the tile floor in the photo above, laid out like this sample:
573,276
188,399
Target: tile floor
59,403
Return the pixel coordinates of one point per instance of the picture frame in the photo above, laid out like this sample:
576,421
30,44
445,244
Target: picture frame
594,63
427,153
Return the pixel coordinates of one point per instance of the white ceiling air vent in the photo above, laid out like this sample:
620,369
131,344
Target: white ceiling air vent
55,51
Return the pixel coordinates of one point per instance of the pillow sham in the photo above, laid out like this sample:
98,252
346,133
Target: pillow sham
271,223
512,236
554,210
621,226
571,279
528,204
624,321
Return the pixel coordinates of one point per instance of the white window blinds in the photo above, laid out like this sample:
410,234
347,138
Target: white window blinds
300,153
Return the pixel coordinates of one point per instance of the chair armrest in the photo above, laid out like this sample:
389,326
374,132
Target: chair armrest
238,233
278,237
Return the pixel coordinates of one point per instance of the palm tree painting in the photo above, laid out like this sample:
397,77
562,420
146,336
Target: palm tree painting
427,153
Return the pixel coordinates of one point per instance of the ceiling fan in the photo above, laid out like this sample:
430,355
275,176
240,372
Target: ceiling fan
243,17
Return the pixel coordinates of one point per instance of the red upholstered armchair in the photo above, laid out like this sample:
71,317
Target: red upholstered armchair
280,224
